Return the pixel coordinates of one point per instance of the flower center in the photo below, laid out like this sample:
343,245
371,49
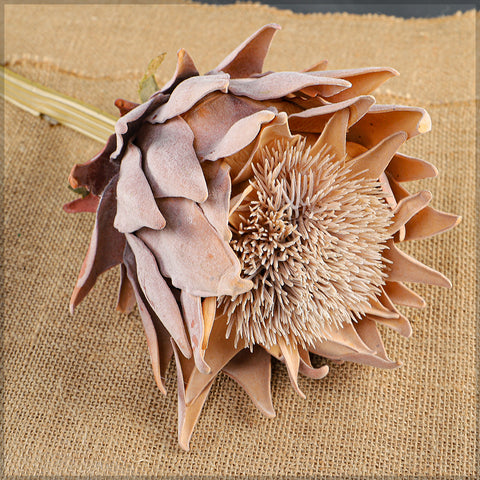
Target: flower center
311,241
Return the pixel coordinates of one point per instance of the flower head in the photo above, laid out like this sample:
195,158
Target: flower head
275,196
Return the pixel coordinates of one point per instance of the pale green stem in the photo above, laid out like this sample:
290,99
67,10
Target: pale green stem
43,101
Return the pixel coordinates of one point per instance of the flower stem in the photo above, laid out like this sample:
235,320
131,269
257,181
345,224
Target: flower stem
56,107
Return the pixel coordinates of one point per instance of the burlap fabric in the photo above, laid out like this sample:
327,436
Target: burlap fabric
79,395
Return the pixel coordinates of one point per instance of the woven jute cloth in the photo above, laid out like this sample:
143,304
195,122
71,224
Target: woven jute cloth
79,395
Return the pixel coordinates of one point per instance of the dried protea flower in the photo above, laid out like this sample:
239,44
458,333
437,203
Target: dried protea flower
256,215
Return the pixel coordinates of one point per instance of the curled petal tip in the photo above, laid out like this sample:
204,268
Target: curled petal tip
425,124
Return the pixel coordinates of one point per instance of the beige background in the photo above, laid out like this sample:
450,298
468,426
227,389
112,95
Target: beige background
79,395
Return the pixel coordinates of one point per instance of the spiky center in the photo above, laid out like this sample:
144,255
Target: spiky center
311,241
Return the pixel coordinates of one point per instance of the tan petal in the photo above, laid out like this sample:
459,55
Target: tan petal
314,120
307,369
158,339
247,59
193,315
136,207
429,222
89,203
170,162
238,136
407,269
291,358
96,173
191,252
368,332
403,168
333,135
220,351
280,84
211,118
209,308
105,249
185,69
187,94
402,295
407,207
128,125
374,161
157,293
363,80
126,295
252,371
381,121
216,207
317,67
188,415
377,309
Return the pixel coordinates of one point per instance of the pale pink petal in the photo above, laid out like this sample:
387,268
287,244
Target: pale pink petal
240,134
429,222
158,294
136,207
187,94
252,371
191,252
185,69
97,172
212,118
247,59
280,84
106,246
169,160
193,315
402,295
158,339
408,207
216,207
128,125
381,121
307,369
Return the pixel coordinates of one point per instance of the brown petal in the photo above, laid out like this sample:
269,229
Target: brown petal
126,295
157,293
192,253
291,358
280,84
185,69
381,121
307,369
252,371
128,125
136,207
209,308
88,203
158,339
402,295
220,351
333,135
170,163
374,161
407,269
106,246
429,222
125,106
187,94
188,415
317,67
96,173
216,207
314,120
403,168
363,80
193,315
239,135
247,59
